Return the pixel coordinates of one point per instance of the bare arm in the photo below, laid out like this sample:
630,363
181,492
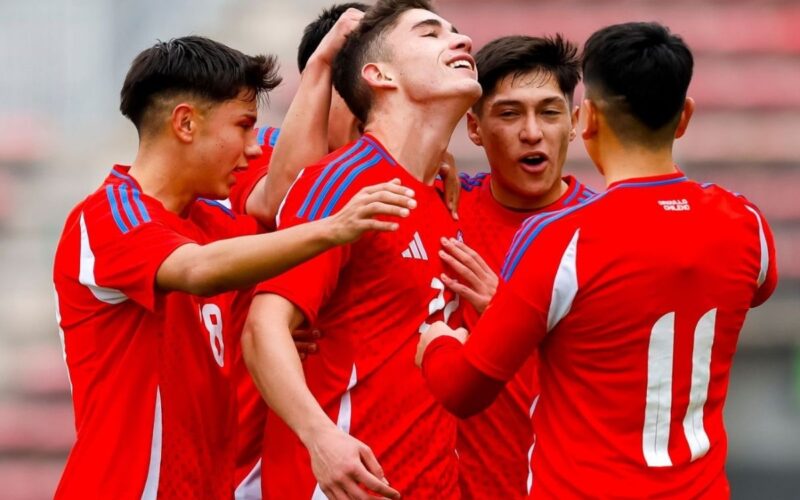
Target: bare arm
304,132
244,261
339,461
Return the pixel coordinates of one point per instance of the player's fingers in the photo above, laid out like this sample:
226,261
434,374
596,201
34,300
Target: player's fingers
381,208
464,291
305,347
393,186
462,255
306,335
399,199
380,225
371,475
458,266
335,492
472,253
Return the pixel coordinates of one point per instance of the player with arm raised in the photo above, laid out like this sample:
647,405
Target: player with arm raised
409,77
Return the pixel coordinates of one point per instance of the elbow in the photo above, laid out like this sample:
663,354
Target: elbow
465,406
201,280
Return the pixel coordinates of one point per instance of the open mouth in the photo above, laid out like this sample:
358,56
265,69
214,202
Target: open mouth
533,160
464,61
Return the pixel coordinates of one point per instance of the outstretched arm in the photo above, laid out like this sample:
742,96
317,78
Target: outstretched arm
340,462
244,261
304,132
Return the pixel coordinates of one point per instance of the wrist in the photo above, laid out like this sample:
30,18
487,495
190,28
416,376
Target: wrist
309,433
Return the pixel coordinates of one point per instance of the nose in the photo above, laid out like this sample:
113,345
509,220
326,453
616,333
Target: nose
531,132
251,147
462,42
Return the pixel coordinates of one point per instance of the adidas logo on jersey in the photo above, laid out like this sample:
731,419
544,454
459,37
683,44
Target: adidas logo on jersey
415,249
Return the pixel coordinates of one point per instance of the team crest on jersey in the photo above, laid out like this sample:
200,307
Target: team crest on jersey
460,236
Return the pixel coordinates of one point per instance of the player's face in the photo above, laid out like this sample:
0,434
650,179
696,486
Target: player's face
525,127
430,60
343,126
225,141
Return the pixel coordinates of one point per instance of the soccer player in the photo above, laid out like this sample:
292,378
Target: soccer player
524,120
636,297
141,268
320,121
409,77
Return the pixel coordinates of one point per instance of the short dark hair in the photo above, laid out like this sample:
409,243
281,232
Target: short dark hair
317,29
640,73
194,66
364,45
518,55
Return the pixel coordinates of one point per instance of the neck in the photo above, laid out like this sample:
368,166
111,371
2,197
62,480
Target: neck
416,136
621,162
155,170
522,203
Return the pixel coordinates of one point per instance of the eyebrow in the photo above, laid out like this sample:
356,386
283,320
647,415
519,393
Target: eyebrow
517,102
432,23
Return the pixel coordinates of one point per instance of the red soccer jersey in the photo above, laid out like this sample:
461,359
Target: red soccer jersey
252,410
256,169
371,299
638,320
154,407
493,445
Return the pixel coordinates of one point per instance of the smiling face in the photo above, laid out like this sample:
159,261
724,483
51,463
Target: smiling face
429,60
525,127
223,143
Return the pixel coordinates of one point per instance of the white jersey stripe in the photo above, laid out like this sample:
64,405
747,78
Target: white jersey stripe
420,246
565,285
762,275
343,421
250,487
414,249
658,402
86,272
701,373
533,445
154,470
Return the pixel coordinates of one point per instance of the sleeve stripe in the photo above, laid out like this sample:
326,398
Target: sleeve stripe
528,232
112,200
126,205
383,152
762,239
312,193
262,132
140,206
273,136
346,183
335,175
575,190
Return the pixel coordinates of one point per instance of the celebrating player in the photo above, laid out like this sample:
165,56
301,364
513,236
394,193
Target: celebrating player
636,297
140,270
409,77
524,121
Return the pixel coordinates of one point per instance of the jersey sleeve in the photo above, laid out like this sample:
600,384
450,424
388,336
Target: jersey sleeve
119,257
310,284
247,180
541,283
768,275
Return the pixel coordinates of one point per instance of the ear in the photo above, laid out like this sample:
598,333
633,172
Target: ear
589,118
474,129
686,115
573,131
184,122
378,76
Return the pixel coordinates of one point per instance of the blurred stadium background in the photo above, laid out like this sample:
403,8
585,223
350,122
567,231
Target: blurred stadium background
62,63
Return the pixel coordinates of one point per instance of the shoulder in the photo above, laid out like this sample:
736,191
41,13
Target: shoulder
548,229
324,186
120,207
